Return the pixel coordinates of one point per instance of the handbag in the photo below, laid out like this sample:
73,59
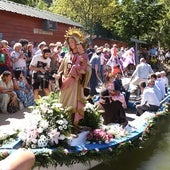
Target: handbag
12,108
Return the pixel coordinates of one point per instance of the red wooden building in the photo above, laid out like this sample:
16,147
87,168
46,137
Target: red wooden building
23,22
102,41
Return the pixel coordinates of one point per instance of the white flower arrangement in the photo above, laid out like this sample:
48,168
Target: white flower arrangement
115,129
47,125
92,116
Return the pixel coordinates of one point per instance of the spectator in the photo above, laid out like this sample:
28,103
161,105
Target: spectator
41,46
149,101
165,80
103,61
56,58
4,58
23,89
167,57
109,82
117,96
7,94
119,86
141,72
29,53
95,76
114,61
156,88
40,66
160,82
90,51
19,59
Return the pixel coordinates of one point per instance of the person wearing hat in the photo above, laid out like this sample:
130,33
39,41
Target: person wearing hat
41,45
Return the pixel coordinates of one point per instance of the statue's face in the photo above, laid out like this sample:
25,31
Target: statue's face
80,49
72,43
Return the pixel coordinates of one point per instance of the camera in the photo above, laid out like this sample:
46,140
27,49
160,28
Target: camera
43,76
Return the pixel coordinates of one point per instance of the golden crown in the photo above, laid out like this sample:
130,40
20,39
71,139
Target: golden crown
76,33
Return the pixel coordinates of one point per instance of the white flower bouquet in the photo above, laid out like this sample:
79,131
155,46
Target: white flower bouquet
115,129
47,125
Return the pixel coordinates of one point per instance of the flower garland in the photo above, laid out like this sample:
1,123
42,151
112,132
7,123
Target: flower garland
62,154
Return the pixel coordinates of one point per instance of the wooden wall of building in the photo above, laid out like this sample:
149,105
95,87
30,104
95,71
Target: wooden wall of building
102,41
15,26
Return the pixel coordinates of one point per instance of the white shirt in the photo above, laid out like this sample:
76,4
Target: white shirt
40,59
102,59
158,92
159,82
113,62
149,97
20,63
166,81
142,70
38,52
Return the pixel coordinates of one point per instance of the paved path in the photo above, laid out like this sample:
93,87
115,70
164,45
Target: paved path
6,118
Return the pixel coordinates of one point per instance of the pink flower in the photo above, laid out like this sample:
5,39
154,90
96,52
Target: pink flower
99,135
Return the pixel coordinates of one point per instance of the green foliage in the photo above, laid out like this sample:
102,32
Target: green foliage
87,12
92,117
24,2
41,4
139,19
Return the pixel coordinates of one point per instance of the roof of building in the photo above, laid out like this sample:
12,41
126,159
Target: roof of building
34,12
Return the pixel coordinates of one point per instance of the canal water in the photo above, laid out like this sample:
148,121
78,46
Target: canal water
153,155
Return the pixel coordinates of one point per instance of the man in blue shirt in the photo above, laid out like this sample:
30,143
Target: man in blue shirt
95,76
141,73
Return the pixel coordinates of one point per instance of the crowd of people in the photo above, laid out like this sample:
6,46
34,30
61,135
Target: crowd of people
29,69
74,67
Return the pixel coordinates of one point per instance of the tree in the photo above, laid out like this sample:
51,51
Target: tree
87,12
24,2
41,4
139,19
164,33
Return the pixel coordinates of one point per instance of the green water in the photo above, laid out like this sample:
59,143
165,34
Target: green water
155,154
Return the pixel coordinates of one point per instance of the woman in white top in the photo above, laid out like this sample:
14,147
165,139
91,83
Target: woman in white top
7,93
19,59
